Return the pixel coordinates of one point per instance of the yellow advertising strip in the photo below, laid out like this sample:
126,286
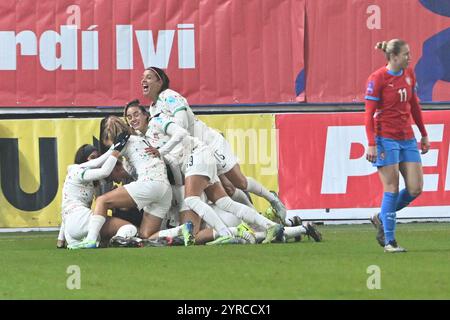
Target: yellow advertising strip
253,140
34,155
54,140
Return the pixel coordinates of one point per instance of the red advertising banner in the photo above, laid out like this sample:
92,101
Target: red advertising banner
341,36
322,162
93,52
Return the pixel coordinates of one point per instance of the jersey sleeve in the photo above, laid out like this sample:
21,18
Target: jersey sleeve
161,123
373,87
371,107
97,162
89,174
176,134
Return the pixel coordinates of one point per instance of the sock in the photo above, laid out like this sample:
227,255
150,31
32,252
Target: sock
127,231
255,187
292,232
208,214
172,232
388,216
260,236
245,213
234,231
241,197
61,232
95,224
404,199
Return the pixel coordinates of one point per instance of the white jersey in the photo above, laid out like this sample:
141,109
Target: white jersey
79,189
170,103
76,191
179,145
147,167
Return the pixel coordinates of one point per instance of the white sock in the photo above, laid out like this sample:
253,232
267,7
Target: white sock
172,232
243,212
292,232
233,230
260,236
61,232
127,231
208,214
241,197
95,224
255,187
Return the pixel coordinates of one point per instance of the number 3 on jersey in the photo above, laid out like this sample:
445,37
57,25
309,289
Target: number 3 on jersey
403,94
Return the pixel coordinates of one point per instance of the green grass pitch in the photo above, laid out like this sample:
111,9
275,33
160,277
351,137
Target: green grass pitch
337,268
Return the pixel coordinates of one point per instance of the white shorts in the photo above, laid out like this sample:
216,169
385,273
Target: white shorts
202,163
155,197
76,224
223,154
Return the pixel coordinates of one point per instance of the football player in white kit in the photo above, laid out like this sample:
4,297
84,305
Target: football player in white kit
151,191
155,86
78,193
200,170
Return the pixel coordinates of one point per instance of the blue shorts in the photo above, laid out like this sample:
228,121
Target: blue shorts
390,151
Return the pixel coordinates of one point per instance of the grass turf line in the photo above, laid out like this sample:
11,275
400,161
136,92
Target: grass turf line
32,268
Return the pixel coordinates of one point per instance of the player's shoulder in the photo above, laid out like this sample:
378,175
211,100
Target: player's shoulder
171,97
378,74
168,93
135,137
75,171
409,72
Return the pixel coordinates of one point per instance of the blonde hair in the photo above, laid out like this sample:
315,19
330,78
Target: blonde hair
113,126
391,47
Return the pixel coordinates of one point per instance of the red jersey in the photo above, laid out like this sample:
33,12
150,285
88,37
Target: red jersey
390,101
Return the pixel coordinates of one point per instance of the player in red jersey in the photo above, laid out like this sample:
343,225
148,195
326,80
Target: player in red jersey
391,100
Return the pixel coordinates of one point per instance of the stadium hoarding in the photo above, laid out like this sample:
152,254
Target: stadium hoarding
92,53
323,173
343,34
35,153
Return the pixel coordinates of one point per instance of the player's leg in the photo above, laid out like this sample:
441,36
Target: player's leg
200,173
114,226
218,196
235,193
413,175
194,187
389,176
117,198
150,225
76,226
227,164
159,197
249,184
411,170
185,213
61,241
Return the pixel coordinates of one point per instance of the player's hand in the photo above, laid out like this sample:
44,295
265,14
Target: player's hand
371,154
424,145
152,151
121,141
